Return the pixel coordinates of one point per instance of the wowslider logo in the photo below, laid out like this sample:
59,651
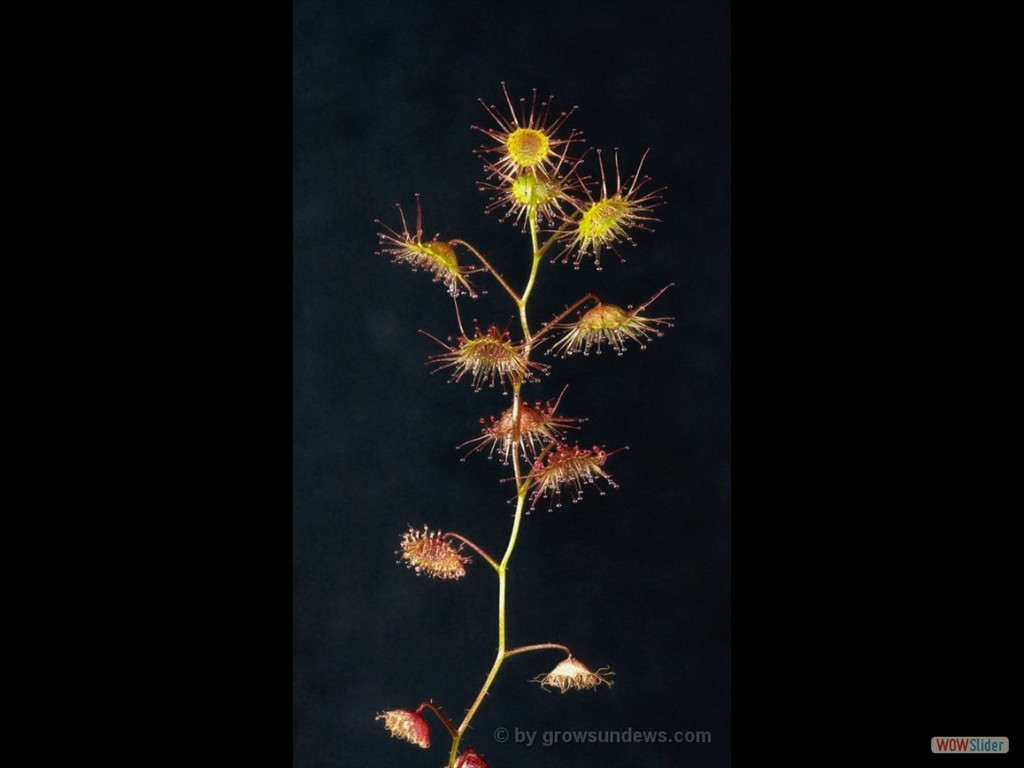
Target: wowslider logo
978,745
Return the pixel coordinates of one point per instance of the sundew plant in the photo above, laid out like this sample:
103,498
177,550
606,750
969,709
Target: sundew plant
534,167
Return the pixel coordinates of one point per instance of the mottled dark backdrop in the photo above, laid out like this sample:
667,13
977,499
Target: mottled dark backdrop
639,579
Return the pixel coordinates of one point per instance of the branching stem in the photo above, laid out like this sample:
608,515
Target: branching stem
522,485
492,270
440,715
474,547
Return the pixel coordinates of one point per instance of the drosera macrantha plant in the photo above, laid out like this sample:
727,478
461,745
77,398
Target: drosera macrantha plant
533,170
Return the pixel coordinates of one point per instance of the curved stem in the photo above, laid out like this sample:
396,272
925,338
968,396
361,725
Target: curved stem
522,486
502,654
532,218
530,282
474,547
440,715
539,647
503,568
492,270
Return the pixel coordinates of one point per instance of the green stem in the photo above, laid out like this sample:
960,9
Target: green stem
474,547
539,647
492,270
502,580
522,487
554,236
527,338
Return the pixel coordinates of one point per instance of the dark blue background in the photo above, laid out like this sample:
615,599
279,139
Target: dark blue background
639,579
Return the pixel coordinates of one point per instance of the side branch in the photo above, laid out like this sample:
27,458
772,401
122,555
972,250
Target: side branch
474,547
568,310
539,647
555,235
492,270
440,716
